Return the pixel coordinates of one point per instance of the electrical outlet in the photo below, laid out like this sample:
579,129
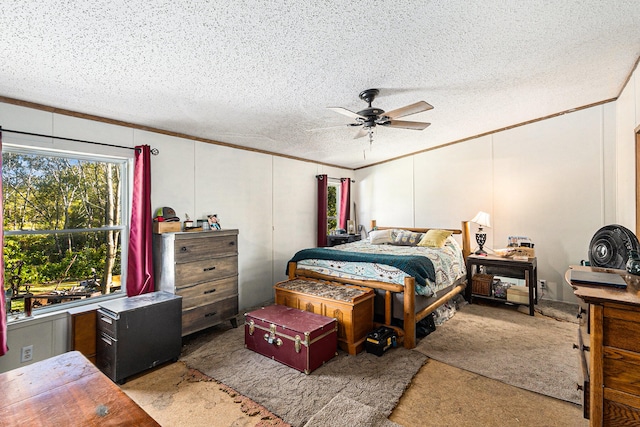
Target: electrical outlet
26,354
543,284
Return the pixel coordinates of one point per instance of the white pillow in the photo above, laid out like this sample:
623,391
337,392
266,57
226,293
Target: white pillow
381,237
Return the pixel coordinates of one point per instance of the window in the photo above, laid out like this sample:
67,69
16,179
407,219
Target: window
333,206
64,225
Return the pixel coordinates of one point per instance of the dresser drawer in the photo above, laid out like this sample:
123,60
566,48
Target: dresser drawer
205,270
621,329
107,324
208,292
189,249
621,370
204,316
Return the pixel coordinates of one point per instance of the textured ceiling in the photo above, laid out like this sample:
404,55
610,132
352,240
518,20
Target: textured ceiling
261,73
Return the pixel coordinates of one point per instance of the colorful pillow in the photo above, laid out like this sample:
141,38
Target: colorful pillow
435,238
381,237
407,238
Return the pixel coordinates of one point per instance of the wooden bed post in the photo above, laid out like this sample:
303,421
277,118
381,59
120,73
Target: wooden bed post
466,239
409,313
292,269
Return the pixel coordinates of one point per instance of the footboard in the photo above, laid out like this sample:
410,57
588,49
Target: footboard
410,316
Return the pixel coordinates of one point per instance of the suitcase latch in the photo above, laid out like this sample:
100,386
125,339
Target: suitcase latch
298,343
252,327
271,336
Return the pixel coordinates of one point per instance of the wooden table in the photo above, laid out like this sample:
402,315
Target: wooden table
66,390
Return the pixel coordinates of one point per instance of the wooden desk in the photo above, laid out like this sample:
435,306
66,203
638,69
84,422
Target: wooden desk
66,390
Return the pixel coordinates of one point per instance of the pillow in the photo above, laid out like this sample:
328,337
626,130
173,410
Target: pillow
435,238
407,238
380,237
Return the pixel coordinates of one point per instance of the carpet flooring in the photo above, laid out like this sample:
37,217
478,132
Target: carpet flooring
531,352
377,382
456,396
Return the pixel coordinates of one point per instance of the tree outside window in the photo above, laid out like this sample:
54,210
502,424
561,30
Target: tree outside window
333,206
63,227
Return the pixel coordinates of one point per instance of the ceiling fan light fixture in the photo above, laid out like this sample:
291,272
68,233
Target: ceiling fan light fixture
370,117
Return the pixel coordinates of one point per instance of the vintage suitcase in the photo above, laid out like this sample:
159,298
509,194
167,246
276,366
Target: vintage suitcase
296,338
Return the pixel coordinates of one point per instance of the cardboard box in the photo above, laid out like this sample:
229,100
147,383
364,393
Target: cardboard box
166,227
518,294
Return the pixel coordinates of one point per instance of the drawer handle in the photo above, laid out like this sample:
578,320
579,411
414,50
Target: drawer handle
209,268
581,311
106,320
213,313
232,243
578,387
584,347
184,249
210,291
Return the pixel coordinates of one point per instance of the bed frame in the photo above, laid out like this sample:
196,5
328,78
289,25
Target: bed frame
410,315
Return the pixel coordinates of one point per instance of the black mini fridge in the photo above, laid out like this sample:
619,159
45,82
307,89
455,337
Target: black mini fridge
138,333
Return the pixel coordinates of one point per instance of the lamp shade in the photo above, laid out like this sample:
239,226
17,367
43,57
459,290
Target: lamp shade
482,219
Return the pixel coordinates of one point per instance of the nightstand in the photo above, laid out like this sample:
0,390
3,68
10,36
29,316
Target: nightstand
339,239
505,267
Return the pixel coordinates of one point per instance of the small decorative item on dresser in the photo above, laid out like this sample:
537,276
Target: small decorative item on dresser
188,223
214,222
633,263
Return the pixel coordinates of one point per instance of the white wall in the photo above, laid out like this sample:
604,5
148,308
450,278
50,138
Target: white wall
270,200
551,180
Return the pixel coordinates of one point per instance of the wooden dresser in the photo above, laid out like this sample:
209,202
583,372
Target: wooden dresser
202,267
613,350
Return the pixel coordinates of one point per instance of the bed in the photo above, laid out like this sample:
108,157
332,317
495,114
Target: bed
411,281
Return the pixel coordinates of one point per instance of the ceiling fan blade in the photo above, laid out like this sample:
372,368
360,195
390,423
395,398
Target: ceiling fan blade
346,112
418,107
362,132
406,125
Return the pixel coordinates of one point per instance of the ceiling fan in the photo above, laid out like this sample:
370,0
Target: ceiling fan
371,117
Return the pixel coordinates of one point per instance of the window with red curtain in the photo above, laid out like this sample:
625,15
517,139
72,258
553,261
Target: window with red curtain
140,262
322,210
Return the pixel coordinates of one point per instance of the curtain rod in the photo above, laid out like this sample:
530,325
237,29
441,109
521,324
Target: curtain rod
154,151
336,179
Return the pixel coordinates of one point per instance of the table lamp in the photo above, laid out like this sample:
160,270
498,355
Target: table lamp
482,219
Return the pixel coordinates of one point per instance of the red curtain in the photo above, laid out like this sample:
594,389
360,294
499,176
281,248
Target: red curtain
345,202
3,307
140,264
322,210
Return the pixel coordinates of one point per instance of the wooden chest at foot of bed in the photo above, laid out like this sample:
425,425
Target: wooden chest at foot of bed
293,337
351,305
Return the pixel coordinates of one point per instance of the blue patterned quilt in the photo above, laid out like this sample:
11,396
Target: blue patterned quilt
433,268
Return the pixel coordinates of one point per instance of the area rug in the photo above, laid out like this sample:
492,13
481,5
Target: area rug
343,411
377,382
499,342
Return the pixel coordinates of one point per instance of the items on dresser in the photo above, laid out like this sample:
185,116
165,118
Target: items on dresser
202,267
138,333
611,352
